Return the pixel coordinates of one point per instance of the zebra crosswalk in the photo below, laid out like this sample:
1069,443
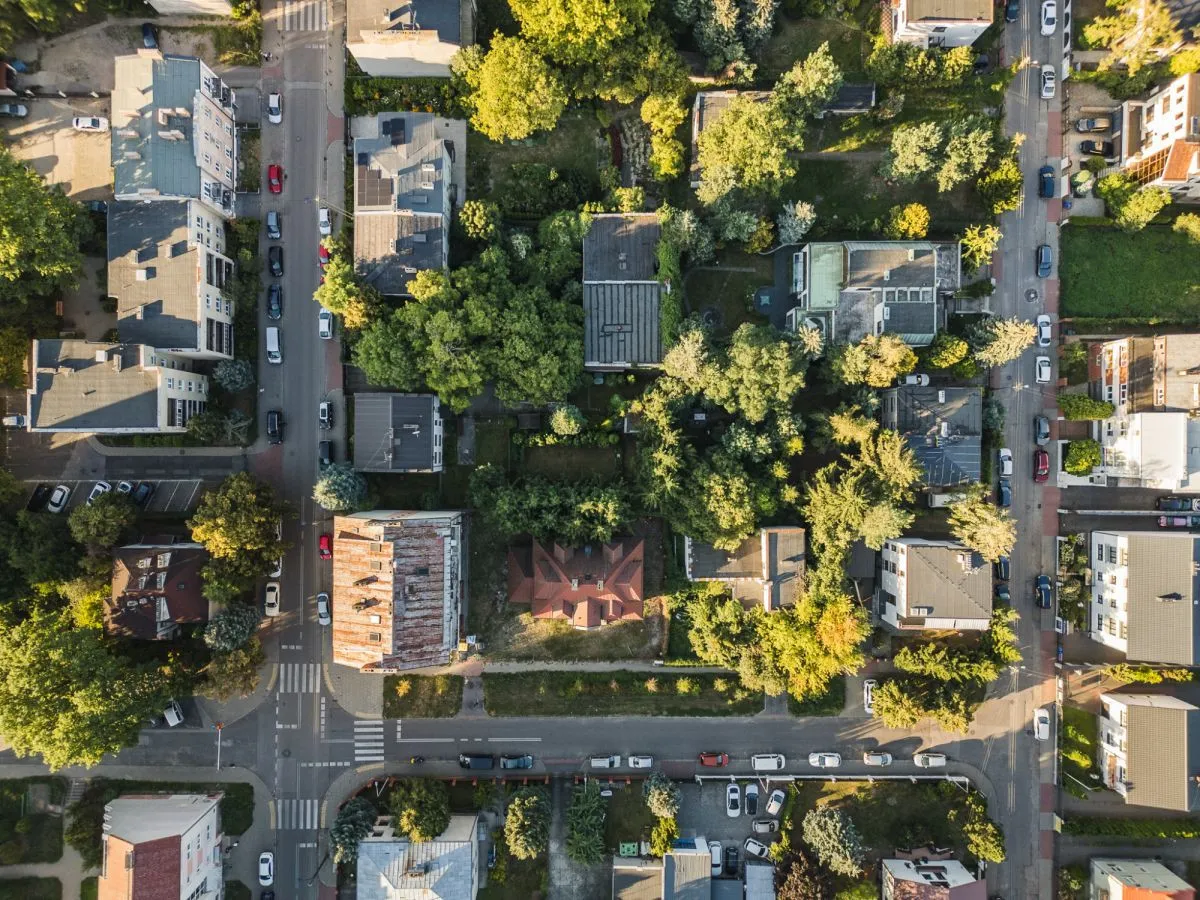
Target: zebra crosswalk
298,815
305,15
368,741
299,678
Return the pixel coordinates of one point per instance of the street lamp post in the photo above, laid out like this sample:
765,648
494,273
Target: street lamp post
219,726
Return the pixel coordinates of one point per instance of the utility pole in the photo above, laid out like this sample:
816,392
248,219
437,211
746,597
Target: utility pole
219,726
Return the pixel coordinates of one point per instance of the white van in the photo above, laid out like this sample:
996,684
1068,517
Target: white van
767,762
938,500
274,354
606,762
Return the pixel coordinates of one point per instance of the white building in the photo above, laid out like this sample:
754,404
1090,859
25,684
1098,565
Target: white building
162,847
934,585
394,868
939,23
930,879
1160,138
408,38
1136,879
1150,747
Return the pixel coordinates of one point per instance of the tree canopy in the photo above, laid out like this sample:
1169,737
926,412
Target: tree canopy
585,824
527,823
572,32
237,524
421,807
998,341
99,525
340,488
981,525
746,149
353,823
876,361
831,835
578,511
514,91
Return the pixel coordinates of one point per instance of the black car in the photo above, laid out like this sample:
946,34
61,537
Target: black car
524,761
274,426
1002,569
275,302
1096,148
41,494
1004,494
476,761
149,36
1012,10
142,493
1173,504
731,859
1046,186
1003,595
325,453
275,261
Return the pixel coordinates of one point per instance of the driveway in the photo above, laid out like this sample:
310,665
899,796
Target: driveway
79,161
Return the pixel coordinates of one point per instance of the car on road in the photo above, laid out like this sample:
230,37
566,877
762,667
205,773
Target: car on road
149,36
1002,569
325,546
1004,494
919,379
271,599
275,178
1173,504
641,762
731,859
752,799
1047,183
1172,521
274,108
1012,10
929,760
825,760
869,696
767,762
1041,370
1044,332
16,421
1096,124
275,261
275,302
89,123
714,760
1041,466
276,569
476,761
516,761
325,414
274,426
877,758
714,854
1041,430
322,256
1049,17
1043,260
1041,591
1006,462
733,801
1097,148
325,324
1041,724
266,868
1048,81
775,802
755,848
38,499
1003,595
274,227
99,489
324,221
325,453
765,826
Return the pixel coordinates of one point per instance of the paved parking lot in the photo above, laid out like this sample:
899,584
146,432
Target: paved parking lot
702,813
46,140
170,495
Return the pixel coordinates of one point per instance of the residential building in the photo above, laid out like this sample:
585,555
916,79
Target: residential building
168,271
102,388
621,292
162,847
397,433
408,39
402,195
930,879
1150,746
398,582
938,23
1145,595
173,131
1154,385
1159,138
589,586
849,289
391,867
934,586
191,7
1135,879
156,587
687,873
943,426
764,570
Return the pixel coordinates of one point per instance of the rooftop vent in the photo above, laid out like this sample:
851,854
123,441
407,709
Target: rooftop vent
887,274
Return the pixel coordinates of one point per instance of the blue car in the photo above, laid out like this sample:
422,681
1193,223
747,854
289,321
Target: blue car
1002,569
1004,495
1041,591
1045,259
1046,186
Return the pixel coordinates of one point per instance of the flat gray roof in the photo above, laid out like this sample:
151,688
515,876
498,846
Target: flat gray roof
142,158
621,247
1164,590
621,325
393,432
73,391
942,426
441,16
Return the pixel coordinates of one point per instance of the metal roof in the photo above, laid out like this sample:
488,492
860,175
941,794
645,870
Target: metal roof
942,426
687,875
947,579
394,432
621,325
405,17
1163,749
1163,593
621,247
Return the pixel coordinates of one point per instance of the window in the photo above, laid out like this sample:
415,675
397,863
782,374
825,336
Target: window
1124,557
199,221
207,159
1111,626
1099,553
170,384
189,389
1100,622
1112,553
228,153
207,302
1124,631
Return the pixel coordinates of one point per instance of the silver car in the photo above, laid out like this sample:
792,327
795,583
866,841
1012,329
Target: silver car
1049,82
323,614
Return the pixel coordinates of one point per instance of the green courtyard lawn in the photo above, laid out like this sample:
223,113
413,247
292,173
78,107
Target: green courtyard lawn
1079,744
664,693
516,635
728,288
30,889
1152,276
627,819
422,696
566,463
830,703
795,39
35,837
575,144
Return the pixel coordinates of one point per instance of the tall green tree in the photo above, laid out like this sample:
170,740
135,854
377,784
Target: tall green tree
968,146
662,795
832,836
353,823
907,223
527,823
40,547
1082,457
99,525
232,627
981,525
803,879
998,341
876,361
421,807
914,151
746,149
574,32
344,295
233,674
514,91
979,242
808,86
238,524
340,488
585,824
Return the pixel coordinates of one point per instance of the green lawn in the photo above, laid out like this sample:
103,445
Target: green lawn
568,463
728,288
627,818
89,888
794,39
517,635
492,441
830,703
30,889
422,696
575,144
35,837
617,693
1079,745
523,880
1152,276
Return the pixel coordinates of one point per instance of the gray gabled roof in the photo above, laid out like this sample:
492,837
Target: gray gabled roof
942,426
853,98
1164,590
950,581
621,247
1163,747
393,432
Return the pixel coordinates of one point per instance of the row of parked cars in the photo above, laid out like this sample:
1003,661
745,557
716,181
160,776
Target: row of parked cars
55,500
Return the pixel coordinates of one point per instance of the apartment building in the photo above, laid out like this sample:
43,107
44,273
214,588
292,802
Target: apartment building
1150,746
933,585
162,847
1159,138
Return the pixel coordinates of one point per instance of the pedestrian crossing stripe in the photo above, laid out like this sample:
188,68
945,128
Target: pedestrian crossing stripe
368,741
304,15
298,815
299,678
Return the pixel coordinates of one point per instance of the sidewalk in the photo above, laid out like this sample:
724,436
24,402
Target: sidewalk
69,870
223,452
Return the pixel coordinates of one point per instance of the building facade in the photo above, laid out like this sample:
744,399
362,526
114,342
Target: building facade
1160,138
933,585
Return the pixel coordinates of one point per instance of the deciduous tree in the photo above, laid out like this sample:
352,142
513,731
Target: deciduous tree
914,151
907,223
237,523
343,294
803,879
99,525
1078,407
514,91
662,795
968,146
566,419
1002,186
746,148
877,360
40,548
808,86
979,242
946,350
340,488
421,807
1082,457
232,627
1188,224
527,823
574,32
233,674
234,374
981,525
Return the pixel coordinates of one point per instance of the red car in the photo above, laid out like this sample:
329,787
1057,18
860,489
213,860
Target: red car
275,178
1041,466
325,546
322,256
715,760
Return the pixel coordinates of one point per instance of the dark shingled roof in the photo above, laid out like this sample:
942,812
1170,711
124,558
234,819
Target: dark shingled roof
951,581
945,434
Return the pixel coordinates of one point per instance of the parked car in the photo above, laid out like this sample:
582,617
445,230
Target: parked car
1012,10
1172,521
275,178
1041,430
869,696
1041,724
1002,569
731,859
324,221
825,760
125,488
1099,123
271,599
325,453
767,762
752,799
1041,466
274,426
516,761
274,108
1041,370
266,868
325,414
919,379
641,762
1097,148
1047,183
1043,260
325,546
274,229
1173,504
275,302
275,260
1041,591
714,760
733,800
14,421
1049,81
325,324
1004,494
89,123
929,760
877,758
149,36
476,761
276,569
714,855
173,713
99,489
765,826
142,493
1006,462
755,848
1049,17
1044,331
1003,595
775,802
38,499
322,256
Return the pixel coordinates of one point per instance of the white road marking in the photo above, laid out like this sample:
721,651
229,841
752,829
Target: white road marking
368,741
507,740
299,678
298,814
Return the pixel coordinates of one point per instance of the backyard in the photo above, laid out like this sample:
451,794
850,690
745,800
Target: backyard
29,833
627,818
1079,751
249,145
574,145
830,703
422,696
796,38
664,693
723,293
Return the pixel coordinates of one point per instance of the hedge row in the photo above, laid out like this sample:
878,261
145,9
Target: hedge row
1133,828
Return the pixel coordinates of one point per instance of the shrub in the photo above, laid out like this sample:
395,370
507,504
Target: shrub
1187,829
1082,457
1080,406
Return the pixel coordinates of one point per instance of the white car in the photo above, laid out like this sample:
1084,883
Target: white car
929,760
1041,724
877,758
733,801
1041,372
89,123
277,571
274,108
765,826
125,488
324,222
869,696
266,868
641,762
775,802
825,760
714,853
271,599
919,379
1049,17
1049,82
173,714
323,616
58,499
1006,463
98,490
325,324
1043,331
755,848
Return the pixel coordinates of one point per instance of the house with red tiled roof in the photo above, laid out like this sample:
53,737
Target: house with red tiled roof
162,847
589,586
